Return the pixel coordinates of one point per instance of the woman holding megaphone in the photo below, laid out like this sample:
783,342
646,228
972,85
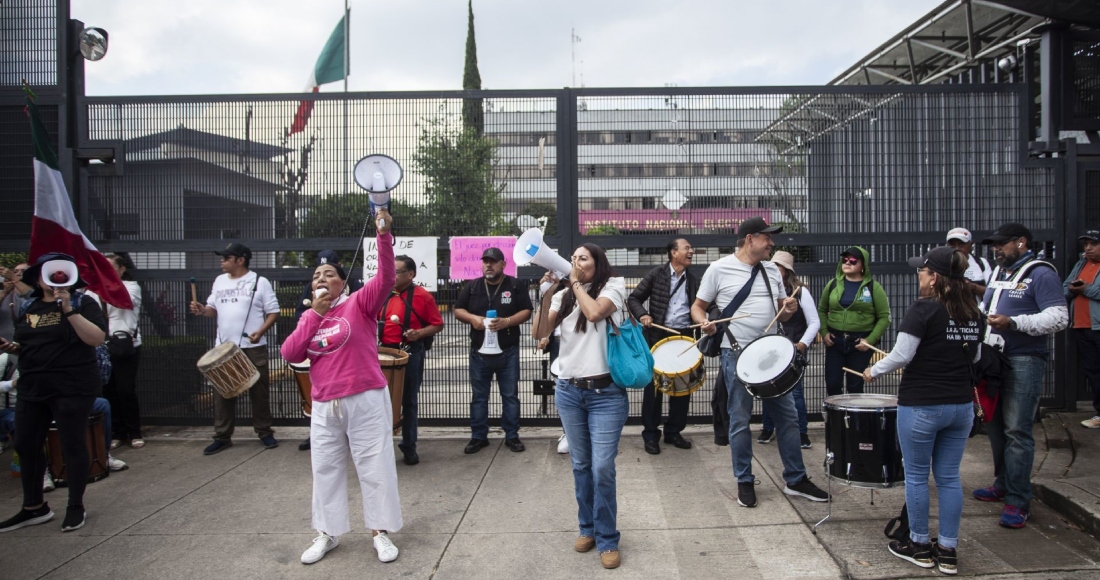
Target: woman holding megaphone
56,334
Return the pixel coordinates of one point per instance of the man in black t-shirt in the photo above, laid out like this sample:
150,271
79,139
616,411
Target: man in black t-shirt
504,294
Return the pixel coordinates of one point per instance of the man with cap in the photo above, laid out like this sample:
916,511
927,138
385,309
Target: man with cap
1082,289
747,277
669,291
502,294
245,306
979,270
1025,303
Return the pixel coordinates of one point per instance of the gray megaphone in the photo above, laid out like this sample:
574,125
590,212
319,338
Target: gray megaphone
490,345
530,250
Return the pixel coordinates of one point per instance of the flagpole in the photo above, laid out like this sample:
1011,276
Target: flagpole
347,67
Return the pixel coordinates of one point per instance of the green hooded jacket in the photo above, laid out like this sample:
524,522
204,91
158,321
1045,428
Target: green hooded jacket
869,313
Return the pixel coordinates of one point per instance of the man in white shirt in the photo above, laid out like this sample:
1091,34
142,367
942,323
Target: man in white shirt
979,270
245,306
766,298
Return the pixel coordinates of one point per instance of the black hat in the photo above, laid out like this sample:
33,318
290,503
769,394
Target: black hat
1092,235
855,252
327,257
1007,232
493,254
30,275
756,225
937,260
236,250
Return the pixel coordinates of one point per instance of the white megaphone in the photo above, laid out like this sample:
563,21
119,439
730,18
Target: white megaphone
59,273
490,344
530,250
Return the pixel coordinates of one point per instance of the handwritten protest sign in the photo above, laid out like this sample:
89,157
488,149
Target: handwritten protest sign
421,249
466,255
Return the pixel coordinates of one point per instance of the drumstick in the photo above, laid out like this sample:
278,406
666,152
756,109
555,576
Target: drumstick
721,320
870,346
848,370
664,328
777,314
194,294
693,343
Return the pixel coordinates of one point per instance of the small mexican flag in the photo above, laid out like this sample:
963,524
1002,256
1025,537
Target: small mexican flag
54,227
330,68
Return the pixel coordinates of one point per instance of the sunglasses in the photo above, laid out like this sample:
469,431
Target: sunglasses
850,261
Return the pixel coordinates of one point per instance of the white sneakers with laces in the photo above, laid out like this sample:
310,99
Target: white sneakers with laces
47,483
116,464
321,546
1093,423
387,552
563,444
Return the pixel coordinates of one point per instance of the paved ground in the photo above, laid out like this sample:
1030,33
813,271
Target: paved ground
245,514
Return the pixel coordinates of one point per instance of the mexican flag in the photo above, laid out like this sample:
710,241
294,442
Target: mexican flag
330,68
54,227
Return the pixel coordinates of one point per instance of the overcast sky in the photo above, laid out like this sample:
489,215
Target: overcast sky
270,46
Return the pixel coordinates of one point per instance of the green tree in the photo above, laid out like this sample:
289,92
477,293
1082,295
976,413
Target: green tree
462,196
342,216
473,113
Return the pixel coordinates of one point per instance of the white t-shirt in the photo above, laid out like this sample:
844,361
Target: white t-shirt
231,298
974,272
121,318
724,279
585,354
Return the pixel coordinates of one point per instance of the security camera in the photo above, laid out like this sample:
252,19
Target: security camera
1007,63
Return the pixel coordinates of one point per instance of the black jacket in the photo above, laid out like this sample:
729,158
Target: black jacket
655,288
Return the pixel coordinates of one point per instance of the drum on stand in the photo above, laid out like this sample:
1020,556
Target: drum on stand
677,372
228,369
770,366
305,385
393,361
96,441
861,440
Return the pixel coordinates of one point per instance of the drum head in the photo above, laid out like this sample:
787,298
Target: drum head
764,359
861,401
670,358
218,354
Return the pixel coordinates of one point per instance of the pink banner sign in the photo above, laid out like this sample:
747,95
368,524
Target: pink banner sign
668,220
466,255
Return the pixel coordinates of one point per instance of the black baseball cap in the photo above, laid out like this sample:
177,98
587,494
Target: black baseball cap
854,252
937,260
1091,235
493,254
756,225
1007,232
236,250
327,257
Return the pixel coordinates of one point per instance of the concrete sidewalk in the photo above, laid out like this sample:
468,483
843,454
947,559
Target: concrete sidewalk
245,513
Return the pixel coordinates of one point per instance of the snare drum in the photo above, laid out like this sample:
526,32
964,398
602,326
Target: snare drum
393,363
228,369
769,366
861,440
305,385
677,372
97,453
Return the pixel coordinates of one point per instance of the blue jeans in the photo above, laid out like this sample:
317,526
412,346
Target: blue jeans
410,396
933,438
593,420
101,405
740,409
842,354
799,407
506,368
7,424
1010,434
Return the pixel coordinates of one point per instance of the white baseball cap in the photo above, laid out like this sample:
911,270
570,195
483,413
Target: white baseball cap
961,234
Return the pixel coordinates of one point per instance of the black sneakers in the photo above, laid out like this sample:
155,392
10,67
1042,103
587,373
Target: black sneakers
411,457
805,444
766,436
947,559
27,518
919,554
74,518
805,488
746,494
514,444
475,445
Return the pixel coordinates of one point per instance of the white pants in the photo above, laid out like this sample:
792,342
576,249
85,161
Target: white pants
361,424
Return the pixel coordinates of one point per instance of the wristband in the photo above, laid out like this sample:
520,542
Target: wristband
70,313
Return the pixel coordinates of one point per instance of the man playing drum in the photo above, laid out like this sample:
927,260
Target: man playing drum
670,290
765,298
245,306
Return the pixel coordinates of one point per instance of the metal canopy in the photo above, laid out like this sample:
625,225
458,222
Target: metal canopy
960,34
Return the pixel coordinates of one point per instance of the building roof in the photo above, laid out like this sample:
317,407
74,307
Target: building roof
192,138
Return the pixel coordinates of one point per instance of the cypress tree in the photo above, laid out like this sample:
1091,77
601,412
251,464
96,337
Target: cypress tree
473,115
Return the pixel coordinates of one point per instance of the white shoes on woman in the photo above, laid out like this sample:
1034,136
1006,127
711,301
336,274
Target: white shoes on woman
324,543
563,444
387,552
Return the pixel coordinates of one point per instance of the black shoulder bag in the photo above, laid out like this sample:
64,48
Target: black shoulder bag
711,344
427,342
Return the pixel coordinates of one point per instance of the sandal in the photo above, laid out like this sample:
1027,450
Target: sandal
137,443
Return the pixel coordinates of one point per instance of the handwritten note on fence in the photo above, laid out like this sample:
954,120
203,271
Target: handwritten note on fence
466,255
421,249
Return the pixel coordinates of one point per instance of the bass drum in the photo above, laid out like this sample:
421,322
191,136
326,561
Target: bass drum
861,440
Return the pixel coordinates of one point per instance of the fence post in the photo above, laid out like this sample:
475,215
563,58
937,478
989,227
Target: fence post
568,195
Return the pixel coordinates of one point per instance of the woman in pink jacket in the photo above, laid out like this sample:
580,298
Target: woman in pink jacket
351,403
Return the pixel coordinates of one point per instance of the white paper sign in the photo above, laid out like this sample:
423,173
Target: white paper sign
421,249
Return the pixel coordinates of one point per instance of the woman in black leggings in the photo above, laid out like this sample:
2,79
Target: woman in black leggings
55,338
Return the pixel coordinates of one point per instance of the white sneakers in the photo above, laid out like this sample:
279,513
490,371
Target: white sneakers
387,552
563,444
1093,423
47,483
116,464
321,546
